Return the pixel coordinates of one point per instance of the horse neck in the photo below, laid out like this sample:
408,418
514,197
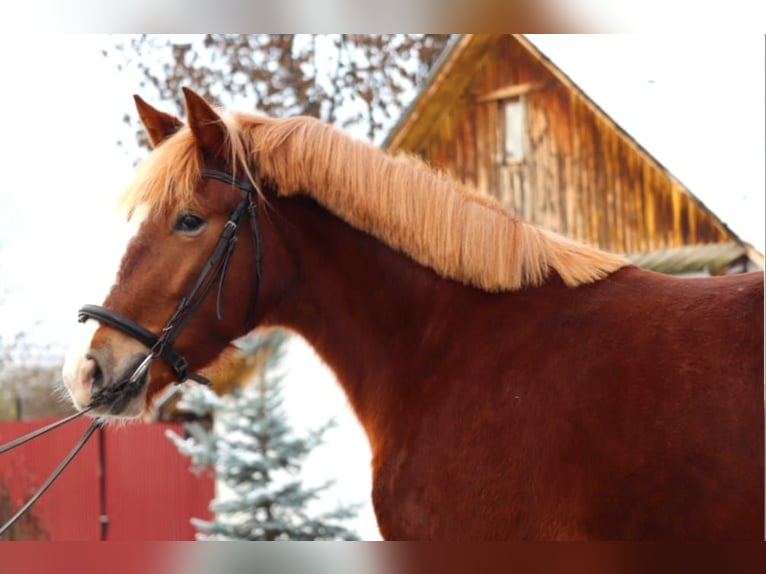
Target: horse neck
364,307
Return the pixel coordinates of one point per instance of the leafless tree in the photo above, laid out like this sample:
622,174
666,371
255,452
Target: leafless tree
359,82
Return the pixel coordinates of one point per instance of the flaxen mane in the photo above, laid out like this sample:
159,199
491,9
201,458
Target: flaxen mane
436,221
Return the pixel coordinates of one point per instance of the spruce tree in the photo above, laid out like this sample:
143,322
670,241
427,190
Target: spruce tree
254,452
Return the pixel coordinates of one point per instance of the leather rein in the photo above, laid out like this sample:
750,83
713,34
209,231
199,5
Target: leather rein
213,270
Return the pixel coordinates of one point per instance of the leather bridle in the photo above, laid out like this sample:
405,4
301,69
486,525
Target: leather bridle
214,269
160,345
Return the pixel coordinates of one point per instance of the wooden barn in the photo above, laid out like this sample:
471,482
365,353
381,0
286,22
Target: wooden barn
498,114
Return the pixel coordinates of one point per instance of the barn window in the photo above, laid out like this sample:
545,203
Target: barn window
514,126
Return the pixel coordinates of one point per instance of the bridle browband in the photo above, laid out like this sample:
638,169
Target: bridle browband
214,269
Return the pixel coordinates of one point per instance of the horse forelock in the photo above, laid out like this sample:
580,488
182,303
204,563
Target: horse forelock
427,215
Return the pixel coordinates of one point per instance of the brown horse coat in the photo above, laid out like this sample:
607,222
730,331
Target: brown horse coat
512,384
630,408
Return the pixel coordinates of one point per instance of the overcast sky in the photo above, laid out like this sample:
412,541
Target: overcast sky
696,103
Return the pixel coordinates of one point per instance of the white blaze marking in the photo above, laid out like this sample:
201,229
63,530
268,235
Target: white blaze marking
75,355
111,250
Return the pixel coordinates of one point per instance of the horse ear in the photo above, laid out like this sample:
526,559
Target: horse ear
159,125
206,125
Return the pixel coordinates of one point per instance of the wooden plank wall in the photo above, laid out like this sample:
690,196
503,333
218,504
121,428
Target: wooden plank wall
583,176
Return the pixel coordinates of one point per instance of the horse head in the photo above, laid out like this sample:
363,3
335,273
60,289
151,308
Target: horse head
188,281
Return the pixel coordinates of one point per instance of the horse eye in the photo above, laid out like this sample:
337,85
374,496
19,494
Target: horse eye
188,223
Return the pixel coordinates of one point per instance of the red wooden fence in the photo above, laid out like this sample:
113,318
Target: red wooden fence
128,483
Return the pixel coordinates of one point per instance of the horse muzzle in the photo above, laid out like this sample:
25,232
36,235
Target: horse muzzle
94,378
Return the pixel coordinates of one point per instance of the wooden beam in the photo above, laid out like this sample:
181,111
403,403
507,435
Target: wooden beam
510,92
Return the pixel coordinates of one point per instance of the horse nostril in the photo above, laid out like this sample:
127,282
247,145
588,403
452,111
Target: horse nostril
98,377
93,372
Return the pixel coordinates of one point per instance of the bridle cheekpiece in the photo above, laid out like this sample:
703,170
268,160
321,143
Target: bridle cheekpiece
213,270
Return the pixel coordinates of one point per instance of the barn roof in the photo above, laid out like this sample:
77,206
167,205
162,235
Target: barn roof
710,258
451,75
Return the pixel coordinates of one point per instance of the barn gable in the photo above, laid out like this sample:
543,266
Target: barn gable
498,114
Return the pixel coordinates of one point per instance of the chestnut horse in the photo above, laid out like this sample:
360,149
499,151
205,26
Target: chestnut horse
513,384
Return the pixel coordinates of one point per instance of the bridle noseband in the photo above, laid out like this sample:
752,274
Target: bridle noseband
214,269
